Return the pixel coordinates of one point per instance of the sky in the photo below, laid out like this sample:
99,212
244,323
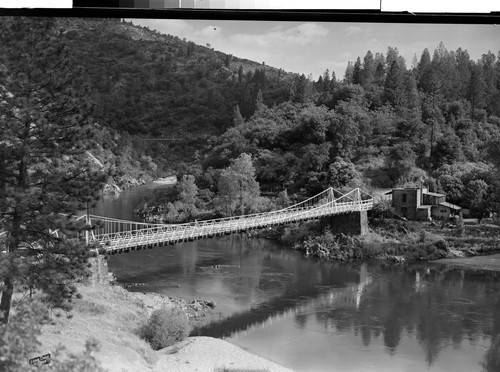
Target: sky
313,47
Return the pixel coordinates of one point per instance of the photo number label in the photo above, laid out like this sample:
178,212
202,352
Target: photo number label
45,359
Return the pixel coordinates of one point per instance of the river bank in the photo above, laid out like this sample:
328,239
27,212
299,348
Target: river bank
490,262
113,316
394,240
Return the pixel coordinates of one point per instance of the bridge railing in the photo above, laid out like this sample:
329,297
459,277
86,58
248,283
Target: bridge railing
113,225
120,233
231,224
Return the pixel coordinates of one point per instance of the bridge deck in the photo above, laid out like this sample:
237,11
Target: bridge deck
118,235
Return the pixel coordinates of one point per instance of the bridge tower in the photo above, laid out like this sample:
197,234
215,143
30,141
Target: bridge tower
349,223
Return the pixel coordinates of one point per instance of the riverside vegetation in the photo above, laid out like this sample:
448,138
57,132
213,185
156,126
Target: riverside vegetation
397,241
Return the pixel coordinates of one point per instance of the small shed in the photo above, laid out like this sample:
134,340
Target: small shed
445,210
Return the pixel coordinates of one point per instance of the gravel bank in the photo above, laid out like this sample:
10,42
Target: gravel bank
491,262
207,354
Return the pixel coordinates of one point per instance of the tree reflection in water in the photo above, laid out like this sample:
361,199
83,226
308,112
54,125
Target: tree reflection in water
438,305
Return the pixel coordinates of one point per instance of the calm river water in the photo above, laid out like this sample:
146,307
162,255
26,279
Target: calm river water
322,316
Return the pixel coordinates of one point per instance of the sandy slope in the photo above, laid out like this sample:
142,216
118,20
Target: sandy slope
111,315
206,354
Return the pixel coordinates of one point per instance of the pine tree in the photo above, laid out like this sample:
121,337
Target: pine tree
476,89
368,69
240,73
348,76
238,119
393,86
425,75
490,87
463,62
379,74
356,73
45,168
326,77
227,60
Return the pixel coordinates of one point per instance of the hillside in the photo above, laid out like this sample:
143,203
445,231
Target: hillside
160,87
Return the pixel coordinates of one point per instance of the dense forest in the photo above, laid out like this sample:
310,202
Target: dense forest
169,106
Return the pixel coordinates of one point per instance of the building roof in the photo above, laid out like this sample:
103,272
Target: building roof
451,206
425,207
434,194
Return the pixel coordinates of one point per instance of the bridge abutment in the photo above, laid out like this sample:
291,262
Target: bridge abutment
353,223
100,273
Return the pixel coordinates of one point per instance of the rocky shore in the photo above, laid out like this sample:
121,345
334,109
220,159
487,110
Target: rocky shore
198,311
124,183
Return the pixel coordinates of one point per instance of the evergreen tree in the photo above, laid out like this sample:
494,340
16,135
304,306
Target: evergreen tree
409,100
333,78
368,69
393,86
490,84
444,73
393,56
348,76
227,60
326,77
425,74
476,89
240,74
238,118
379,74
45,168
356,73
463,62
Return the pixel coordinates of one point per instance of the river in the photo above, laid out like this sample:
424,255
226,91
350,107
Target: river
324,316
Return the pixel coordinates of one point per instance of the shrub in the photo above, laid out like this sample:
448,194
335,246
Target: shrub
19,342
63,361
165,327
19,337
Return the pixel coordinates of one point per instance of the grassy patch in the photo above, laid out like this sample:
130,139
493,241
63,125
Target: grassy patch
89,307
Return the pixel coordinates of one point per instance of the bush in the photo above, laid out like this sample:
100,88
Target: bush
19,337
19,342
165,327
83,362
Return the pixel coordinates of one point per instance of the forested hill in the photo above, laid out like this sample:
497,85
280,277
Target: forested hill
159,86
387,123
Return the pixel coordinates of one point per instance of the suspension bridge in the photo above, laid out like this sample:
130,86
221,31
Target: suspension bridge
118,236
